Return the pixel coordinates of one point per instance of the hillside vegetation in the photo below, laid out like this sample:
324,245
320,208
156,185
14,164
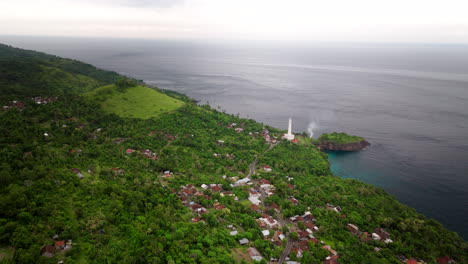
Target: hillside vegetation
129,174
30,73
136,101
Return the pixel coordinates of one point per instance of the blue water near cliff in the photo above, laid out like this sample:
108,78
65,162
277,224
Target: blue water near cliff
409,100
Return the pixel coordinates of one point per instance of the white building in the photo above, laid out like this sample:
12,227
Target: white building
289,135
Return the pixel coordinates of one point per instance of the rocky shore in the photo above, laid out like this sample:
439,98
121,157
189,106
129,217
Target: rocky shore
354,146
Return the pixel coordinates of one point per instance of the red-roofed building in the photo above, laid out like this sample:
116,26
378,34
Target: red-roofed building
275,206
219,207
293,200
216,188
48,251
264,181
60,244
411,261
254,207
445,260
130,151
266,168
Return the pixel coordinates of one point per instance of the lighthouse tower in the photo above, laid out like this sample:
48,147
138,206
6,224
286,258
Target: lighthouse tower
289,135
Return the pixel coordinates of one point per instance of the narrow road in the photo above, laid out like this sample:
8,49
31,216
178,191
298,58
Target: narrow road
286,251
252,167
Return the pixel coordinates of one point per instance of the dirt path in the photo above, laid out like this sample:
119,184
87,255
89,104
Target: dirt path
286,252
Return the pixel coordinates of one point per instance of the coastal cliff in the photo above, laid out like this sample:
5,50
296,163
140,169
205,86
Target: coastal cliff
341,142
354,146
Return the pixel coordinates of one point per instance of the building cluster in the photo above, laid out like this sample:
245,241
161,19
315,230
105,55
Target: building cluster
14,105
379,234
58,246
21,105
44,100
149,154
192,196
167,135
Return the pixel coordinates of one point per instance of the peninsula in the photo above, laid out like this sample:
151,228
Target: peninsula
341,142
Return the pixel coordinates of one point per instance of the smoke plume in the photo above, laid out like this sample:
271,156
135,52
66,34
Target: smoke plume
311,127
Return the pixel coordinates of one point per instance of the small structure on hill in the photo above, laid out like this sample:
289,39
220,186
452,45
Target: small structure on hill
48,251
289,136
243,241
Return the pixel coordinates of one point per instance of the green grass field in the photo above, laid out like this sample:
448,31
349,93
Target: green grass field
340,138
136,102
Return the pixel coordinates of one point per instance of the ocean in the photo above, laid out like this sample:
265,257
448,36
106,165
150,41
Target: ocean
409,100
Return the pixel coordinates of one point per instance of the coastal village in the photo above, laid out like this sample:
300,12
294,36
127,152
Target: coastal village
295,234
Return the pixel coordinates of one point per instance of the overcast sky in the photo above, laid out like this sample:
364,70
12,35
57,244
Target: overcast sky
292,20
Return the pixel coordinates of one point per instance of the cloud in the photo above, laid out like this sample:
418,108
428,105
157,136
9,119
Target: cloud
139,3
292,20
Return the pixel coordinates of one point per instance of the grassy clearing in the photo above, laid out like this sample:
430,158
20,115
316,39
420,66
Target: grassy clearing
6,253
136,102
239,254
340,138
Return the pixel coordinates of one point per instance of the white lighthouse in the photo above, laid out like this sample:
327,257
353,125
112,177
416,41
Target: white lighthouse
289,135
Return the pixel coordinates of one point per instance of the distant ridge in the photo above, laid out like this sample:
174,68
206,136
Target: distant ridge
31,73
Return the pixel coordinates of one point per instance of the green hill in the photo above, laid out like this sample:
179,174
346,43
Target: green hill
31,73
137,102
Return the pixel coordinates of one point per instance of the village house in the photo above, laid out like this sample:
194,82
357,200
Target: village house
244,241
293,200
242,182
48,251
266,168
197,219
333,208
333,252
445,260
149,154
255,207
376,236
197,208
353,229
275,207
77,172
167,174
117,171
268,221
216,187
331,260
254,254
254,196
60,244
69,244
239,129
44,100
218,206
265,232
130,151
384,235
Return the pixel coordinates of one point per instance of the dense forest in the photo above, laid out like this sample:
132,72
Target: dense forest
88,177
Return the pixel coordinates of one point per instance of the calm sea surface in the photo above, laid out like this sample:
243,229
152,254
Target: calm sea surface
409,100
